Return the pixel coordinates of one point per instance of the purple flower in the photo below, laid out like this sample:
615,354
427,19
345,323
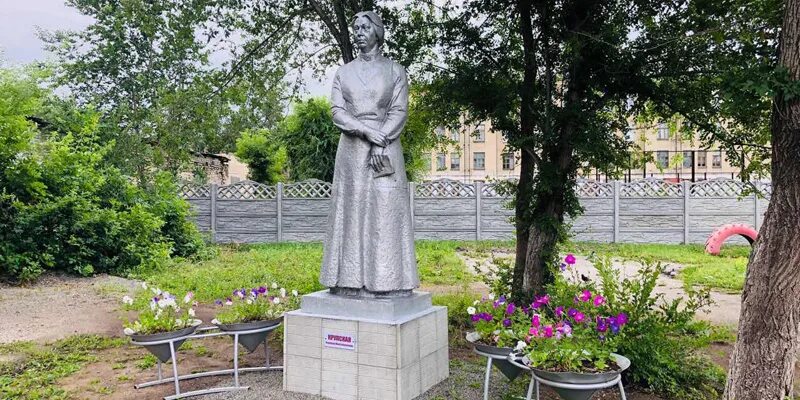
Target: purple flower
496,304
506,322
622,319
563,267
502,299
254,291
572,312
487,317
475,318
559,311
540,301
510,308
535,321
614,329
218,302
567,329
262,289
570,259
585,296
599,300
602,324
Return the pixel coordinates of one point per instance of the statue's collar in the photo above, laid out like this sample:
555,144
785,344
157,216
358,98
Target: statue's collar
370,56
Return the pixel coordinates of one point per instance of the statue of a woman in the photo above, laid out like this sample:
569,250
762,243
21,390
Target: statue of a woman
369,248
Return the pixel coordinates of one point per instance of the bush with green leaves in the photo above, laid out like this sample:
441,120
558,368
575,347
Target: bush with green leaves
64,208
661,337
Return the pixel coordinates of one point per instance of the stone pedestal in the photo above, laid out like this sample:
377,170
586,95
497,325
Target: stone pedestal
355,348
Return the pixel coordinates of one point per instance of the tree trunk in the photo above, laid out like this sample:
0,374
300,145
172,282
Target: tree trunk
527,164
762,365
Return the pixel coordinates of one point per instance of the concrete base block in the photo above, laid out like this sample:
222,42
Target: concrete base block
341,357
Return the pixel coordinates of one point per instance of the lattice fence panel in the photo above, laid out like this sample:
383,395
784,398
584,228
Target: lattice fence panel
246,190
717,188
765,188
310,189
650,188
194,192
445,188
594,189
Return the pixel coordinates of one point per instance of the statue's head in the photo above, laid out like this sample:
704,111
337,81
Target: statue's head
368,30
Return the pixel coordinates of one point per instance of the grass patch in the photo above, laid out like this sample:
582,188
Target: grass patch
35,375
724,272
292,265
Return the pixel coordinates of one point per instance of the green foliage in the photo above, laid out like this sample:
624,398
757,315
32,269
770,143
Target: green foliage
64,209
255,305
264,157
661,338
311,140
35,375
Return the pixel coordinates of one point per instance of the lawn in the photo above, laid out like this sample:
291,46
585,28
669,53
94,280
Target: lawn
724,272
291,265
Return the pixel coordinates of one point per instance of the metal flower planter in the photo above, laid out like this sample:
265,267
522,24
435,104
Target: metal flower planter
162,350
581,386
250,341
509,370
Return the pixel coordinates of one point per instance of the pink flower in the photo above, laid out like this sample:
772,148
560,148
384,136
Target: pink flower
534,331
540,301
585,296
570,259
599,300
548,331
535,321
579,317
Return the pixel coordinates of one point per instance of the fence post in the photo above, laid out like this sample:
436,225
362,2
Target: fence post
412,189
213,212
755,210
615,238
685,187
478,190
279,213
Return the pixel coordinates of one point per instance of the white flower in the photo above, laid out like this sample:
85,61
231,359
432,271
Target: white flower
228,303
167,302
276,300
152,305
191,312
283,292
215,321
475,303
158,313
188,298
249,301
129,331
156,291
274,285
473,336
294,293
471,310
127,300
491,296
520,345
144,285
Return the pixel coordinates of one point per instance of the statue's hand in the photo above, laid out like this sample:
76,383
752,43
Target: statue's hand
376,137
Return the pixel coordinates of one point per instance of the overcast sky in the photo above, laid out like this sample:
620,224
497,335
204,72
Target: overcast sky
20,45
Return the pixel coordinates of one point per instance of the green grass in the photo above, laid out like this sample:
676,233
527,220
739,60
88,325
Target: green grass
35,374
291,265
724,272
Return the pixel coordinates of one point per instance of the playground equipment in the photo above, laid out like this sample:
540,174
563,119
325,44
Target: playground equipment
721,234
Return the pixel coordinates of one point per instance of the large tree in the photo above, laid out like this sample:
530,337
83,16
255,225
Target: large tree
762,367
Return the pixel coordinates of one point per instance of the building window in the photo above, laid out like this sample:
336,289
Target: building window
687,159
480,133
663,131
455,161
701,159
508,161
662,159
479,160
441,162
454,134
439,131
716,160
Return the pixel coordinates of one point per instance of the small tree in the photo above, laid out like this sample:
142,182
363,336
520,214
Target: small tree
310,139
265,158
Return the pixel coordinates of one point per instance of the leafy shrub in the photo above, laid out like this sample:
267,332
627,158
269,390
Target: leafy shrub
64,209
661,338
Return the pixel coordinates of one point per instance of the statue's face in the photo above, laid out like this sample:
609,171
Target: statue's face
366,37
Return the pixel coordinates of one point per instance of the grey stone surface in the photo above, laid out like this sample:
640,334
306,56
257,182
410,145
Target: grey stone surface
389,310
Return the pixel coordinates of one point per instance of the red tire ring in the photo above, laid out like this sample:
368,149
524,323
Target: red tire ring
721,234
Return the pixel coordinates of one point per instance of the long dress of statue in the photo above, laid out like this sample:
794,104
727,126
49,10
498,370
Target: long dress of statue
369,246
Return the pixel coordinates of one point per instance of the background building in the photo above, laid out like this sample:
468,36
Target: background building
480,153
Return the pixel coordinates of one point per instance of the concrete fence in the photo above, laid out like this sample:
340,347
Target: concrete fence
645,211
